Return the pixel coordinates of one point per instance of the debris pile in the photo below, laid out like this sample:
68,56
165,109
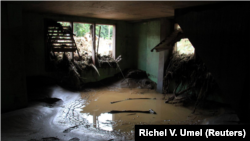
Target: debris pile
84,46
136,78
190,72
107,61
68,71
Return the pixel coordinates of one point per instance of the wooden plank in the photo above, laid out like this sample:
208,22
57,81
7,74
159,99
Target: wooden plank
63,43
93,44
61,46
59,34
60,39
66,26
53,32
56,41
64,46
64,50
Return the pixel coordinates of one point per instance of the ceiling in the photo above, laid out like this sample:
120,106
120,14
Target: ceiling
115,10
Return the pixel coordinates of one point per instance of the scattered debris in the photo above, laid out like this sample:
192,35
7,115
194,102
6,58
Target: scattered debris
74,139
69,71
50,139
131,99
117,60
136,74
170,98
189,71
68,64
70,129
150,111
147,84
46,139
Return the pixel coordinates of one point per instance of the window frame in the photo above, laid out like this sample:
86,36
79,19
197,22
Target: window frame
94,23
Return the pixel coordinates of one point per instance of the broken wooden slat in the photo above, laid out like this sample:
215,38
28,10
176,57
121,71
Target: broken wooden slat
56,41
131,99
64,49
59,39
169,42
59,34
150,111
98,40
63,43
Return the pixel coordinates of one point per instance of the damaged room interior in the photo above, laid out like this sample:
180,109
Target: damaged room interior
92,70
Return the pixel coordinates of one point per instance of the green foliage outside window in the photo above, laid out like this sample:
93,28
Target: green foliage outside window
106,31
80,29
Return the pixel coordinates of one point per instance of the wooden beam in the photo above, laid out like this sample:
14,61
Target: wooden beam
94,58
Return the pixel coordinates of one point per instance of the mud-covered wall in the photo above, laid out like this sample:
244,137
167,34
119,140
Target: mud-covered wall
34,42
220,35
13,78
147,36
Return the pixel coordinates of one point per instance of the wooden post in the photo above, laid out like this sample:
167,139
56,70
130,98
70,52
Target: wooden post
72,53
163,55
93,44
98,40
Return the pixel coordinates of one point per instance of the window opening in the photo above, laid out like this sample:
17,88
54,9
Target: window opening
105,39
83,38
184,46
75,39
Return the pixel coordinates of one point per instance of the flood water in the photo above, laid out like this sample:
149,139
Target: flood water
84,115
98,104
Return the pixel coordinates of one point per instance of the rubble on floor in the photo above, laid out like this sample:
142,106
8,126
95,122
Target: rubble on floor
68,72
189,72
135,78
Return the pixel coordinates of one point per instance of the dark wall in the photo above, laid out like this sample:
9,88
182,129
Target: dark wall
220,35
13,78
23,51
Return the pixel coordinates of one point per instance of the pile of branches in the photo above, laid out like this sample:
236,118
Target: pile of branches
68,71
106,60
189,70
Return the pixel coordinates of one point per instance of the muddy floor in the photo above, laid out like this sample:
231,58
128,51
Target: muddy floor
85,115
92,111
98,105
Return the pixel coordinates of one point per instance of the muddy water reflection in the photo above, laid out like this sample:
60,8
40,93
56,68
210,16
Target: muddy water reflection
98,105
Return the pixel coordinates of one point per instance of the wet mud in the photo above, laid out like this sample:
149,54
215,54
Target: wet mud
93,111
97,113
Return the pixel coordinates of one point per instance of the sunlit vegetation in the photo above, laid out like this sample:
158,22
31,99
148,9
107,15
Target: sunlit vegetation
184,46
